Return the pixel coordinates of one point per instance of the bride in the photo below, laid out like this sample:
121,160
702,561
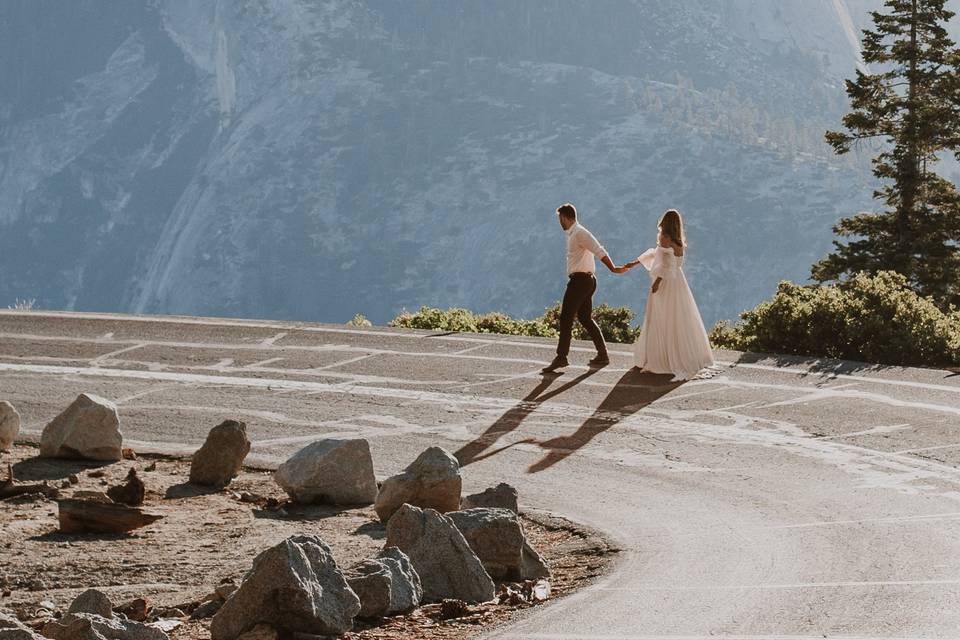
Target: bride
673,339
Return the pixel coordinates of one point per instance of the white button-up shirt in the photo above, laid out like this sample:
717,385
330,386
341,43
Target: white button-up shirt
581,248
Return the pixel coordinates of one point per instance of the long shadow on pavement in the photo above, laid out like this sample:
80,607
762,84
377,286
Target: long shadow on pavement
633,391
509,421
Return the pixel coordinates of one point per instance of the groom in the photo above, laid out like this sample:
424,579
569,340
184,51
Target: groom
578,299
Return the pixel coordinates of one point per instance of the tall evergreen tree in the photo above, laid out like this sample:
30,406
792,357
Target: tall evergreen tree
911,105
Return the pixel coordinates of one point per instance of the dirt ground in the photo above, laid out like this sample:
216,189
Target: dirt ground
205,538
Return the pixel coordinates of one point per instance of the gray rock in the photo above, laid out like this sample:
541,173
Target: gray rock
386,586
221,457
9,425
89,429
293,586
90,626
497,537
447,567
12,629
330,471
206,610
432,481
502,496
92,601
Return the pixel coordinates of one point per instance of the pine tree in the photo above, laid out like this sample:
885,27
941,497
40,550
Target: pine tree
911,106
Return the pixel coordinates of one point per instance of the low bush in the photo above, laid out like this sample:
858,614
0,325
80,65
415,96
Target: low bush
614,322
874,318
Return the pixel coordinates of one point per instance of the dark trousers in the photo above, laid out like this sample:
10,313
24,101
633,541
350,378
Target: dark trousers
578,303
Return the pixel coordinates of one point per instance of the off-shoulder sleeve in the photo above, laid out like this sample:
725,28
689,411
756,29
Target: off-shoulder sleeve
647,257
661,265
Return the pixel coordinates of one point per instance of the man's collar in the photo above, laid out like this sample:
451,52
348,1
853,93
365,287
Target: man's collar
572,228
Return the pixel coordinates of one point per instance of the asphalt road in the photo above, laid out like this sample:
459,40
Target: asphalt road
774,500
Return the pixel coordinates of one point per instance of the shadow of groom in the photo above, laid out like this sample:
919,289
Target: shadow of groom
509,421
634,391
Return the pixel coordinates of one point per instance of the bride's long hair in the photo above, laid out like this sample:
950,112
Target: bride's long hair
671,224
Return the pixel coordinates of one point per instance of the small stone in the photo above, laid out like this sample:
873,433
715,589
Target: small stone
151,467
224,591
65,484
502,496
9,425
137,609
246,496
221,457
432,481
452,608
206,610
89,429
92,601
73,478
131,492
96,473
128,453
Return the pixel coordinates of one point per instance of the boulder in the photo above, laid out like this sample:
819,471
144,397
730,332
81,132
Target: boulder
294,586
9,425
330,471
90,626
447,567
502,496
260,632
87,429
497,537
220,458
131,492
92,601
432,481
12,629
386,586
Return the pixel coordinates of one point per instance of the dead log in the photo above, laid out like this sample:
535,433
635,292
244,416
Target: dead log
92,516
10,489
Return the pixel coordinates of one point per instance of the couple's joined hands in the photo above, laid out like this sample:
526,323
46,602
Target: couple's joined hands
626,266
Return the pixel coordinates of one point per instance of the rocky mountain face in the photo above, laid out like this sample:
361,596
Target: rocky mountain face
311,159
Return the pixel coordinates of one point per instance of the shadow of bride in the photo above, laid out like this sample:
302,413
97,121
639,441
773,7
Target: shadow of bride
634,391
509,421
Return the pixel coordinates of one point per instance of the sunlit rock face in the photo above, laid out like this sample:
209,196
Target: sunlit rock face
313,159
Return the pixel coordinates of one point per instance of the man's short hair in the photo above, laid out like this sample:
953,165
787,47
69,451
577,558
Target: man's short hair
567,210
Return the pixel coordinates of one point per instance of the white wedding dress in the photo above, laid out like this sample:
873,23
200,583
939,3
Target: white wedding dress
673,339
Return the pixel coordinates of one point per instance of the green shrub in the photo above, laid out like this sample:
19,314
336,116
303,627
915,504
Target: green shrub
614,322
360,320
870,318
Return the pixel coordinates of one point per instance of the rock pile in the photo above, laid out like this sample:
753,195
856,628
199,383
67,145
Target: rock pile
88,429
448,568
432,481
331,472
221,457
386,586
91,617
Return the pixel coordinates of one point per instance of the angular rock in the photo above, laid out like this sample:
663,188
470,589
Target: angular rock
502,496
294,586
432,481
12,629
447,567
92,601
9,425
90,626
497,537
87,429
131,492
386,586
137,609
220,458
406,589
330,471
532,564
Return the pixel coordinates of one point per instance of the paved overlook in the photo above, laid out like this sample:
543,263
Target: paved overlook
779,499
